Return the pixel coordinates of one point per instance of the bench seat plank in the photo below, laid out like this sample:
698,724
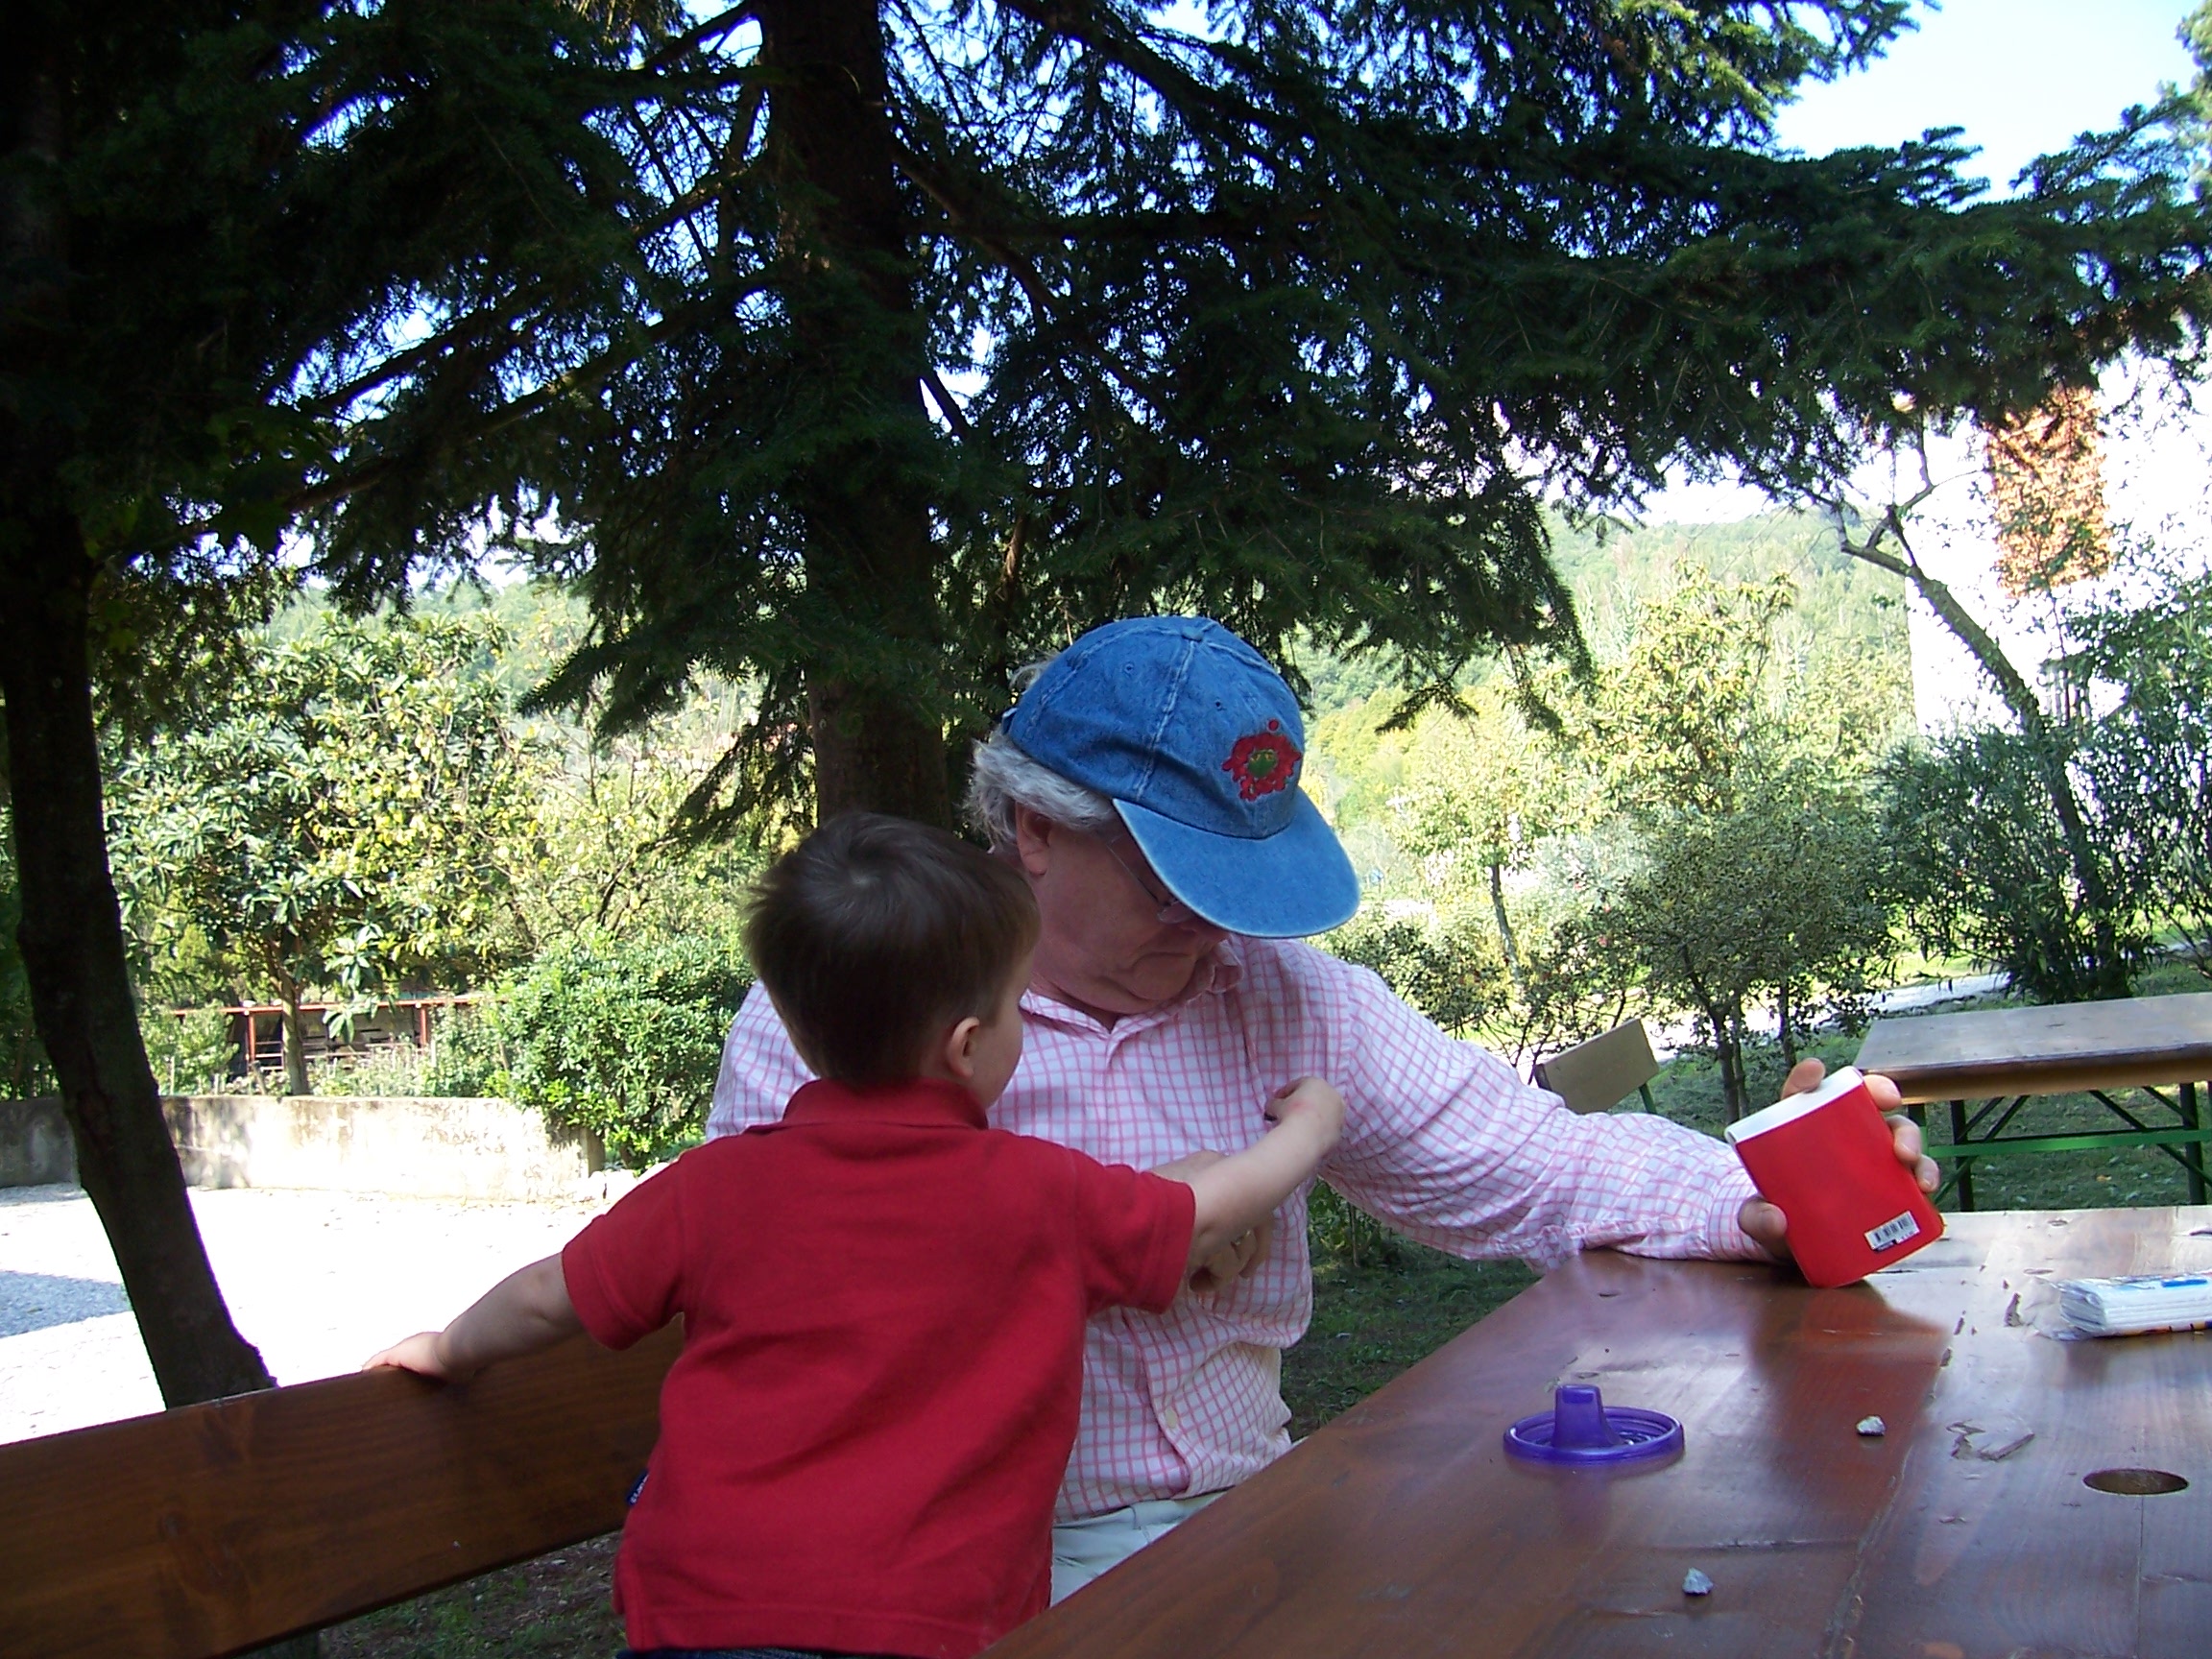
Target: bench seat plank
213,1528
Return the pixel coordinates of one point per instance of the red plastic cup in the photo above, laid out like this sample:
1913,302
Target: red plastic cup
1825,1158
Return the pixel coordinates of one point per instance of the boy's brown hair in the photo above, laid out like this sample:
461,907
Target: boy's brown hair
874,934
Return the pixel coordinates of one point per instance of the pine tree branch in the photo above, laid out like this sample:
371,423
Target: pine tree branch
1205,107
677,45
956,417
477,326
668,178
941,191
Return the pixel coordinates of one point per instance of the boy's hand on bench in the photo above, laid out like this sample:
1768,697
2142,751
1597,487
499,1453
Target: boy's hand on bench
521,1314
418,1353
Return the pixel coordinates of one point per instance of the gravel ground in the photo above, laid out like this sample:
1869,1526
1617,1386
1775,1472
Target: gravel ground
318,1280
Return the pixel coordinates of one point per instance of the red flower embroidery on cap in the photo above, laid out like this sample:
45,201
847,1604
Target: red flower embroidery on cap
1263,763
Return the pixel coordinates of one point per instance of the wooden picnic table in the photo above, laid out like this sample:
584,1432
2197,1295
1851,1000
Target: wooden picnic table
1403,1529
1987,1063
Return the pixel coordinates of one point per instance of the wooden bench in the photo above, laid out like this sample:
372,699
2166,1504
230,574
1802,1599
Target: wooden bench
215,1529
1597,1075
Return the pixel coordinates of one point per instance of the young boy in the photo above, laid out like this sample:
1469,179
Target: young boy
883,1299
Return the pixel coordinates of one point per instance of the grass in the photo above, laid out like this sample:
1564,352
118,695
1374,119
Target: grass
1380,1306
555,1607
1375,1318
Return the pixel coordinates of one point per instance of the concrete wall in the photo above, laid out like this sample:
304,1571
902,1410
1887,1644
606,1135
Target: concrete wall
409,1147
35,1147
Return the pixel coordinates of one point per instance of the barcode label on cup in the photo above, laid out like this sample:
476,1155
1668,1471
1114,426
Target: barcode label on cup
1895,1232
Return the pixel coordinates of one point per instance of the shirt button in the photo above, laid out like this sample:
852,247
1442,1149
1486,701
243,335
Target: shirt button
1168,1419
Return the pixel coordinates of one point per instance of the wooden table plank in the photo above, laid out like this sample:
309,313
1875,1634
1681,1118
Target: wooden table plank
200,1532
2019,1555
2044,1050
1404,1529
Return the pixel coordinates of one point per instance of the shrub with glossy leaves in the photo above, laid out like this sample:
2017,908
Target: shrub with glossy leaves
622,1039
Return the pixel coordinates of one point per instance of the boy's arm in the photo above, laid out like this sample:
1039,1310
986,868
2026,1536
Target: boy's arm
521,1314
1239,1192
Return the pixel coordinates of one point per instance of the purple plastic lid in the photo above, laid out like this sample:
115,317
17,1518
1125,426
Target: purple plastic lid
1581,1429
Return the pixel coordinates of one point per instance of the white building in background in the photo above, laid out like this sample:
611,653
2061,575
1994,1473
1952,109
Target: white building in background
2096,493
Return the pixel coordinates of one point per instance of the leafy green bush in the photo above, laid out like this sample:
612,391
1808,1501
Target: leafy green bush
622,1039
1980,861
1448,969
2149,759
467,1054
191,1053
1334,1227
23,1068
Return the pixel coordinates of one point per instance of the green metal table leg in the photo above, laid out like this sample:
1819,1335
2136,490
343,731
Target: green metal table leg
2192,1154
1966,1165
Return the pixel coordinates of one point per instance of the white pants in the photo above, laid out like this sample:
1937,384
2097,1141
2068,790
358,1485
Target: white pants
1082,1549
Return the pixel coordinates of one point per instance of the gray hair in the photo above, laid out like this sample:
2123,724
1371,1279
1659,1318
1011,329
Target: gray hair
1004,778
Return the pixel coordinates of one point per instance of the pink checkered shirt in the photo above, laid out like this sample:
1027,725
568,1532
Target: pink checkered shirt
1441,1140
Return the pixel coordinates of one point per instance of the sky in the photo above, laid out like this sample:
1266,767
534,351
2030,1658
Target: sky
2021,77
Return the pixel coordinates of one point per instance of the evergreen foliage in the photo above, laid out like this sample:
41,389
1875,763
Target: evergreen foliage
219,226
962,327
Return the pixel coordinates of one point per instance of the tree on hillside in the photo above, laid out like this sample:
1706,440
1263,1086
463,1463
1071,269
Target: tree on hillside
1751,866
2080,895
350,816
1685,719
1484,786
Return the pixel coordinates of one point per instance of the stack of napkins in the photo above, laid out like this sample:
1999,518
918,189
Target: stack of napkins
2143,1301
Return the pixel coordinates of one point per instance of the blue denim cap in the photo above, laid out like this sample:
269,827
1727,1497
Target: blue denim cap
1197,742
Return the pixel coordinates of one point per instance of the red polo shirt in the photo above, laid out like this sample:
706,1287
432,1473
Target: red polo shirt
883,1303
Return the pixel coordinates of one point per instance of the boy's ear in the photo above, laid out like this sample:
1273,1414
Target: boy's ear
957,1052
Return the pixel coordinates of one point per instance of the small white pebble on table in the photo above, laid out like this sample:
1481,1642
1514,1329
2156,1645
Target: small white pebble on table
1871,1426
1695,1583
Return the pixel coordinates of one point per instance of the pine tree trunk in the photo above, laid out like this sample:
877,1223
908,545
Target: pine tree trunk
71,935
878,739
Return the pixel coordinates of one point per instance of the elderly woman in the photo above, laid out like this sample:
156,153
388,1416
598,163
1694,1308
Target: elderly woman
1146,783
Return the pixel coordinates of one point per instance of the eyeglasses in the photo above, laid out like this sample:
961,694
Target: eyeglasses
1171,908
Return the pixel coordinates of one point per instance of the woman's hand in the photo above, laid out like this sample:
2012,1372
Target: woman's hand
1768,1227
